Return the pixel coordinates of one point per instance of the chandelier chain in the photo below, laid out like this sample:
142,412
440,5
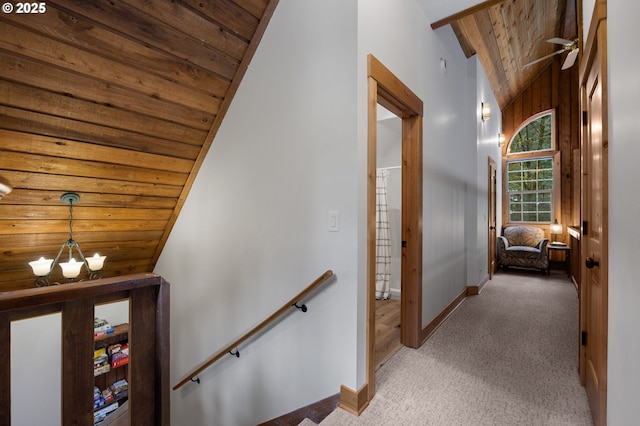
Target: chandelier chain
71,220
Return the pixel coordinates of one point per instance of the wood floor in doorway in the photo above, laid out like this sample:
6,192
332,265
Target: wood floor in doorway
387,330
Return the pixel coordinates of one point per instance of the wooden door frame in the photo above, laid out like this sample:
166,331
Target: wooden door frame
386,89
596,44
492,207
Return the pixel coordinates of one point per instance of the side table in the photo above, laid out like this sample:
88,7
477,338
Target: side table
567,256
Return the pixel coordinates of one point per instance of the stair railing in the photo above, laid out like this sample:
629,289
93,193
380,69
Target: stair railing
148,296
193,376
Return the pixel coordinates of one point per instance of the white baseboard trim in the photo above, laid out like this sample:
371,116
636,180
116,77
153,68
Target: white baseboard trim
395,293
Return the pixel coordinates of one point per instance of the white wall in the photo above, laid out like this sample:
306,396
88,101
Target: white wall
587,10
624,211
36,360
487,146
36,364
254,229
398,34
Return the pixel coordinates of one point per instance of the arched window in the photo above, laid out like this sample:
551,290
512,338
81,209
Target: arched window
532,171
535,134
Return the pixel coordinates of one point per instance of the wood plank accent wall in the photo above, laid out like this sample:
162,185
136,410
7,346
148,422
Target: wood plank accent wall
119,102
553,88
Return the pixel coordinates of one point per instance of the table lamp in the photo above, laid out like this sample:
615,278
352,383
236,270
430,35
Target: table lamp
556,229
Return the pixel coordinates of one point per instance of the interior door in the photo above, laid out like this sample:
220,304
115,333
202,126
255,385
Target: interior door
493,182
594,291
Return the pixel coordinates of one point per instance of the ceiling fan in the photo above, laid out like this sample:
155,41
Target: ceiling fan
570,46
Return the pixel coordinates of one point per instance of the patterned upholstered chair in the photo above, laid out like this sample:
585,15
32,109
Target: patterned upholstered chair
523,247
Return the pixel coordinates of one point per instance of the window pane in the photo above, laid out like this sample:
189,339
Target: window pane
545,174
515,176
544,207
544,217
545,185
515,186
515,217
514,166
534,136
545,164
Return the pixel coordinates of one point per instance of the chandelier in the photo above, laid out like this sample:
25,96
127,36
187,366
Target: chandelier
42,268
5,187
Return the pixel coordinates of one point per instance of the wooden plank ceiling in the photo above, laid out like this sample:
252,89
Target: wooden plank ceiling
507,34
119,102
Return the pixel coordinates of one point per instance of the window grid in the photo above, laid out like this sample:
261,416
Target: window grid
530,187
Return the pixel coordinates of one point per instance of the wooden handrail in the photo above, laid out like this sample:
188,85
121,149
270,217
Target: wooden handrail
321,279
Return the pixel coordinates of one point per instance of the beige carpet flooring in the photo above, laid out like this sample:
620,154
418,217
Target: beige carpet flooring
506,357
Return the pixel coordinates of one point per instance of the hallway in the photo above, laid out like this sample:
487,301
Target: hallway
506,357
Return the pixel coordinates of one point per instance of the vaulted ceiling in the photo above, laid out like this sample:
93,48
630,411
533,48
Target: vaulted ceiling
508,34
120,101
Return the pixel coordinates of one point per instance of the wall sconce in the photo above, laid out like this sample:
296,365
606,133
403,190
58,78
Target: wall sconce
42,268
501,139
556,229
486,111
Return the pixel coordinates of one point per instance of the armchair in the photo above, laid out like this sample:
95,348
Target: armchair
523,247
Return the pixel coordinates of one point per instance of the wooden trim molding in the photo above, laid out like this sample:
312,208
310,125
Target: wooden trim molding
439,319
474,290
462,14
396,97
386,89
352,401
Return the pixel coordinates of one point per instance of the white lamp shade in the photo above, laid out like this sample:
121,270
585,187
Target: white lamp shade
96,262
556,228
41,267
71,269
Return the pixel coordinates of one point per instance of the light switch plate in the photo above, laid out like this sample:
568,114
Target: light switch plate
334,221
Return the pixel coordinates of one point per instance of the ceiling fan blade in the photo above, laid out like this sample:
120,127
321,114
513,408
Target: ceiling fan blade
558,40
543,58
570,59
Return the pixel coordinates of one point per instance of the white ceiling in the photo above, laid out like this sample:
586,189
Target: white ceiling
439,9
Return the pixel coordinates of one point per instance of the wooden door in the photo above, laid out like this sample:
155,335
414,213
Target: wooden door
594,289
493,181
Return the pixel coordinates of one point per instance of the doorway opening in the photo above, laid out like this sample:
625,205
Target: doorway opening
493,183
388,235
385,89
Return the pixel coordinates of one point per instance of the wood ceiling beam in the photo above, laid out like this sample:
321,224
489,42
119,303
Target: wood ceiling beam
464,13
465,44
